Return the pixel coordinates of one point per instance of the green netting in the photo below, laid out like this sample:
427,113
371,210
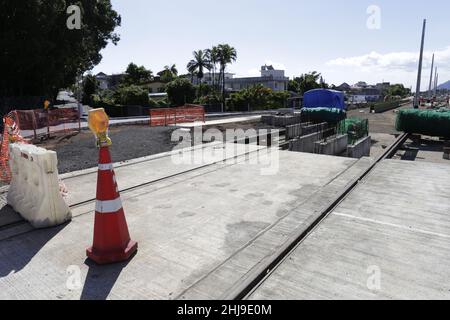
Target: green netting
355,128
427,122
323,115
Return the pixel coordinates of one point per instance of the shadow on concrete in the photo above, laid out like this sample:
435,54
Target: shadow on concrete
101,279
410,154
16,252
8,216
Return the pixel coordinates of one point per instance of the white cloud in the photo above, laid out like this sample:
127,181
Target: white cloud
400,61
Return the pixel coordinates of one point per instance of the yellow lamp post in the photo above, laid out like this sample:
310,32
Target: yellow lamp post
98,122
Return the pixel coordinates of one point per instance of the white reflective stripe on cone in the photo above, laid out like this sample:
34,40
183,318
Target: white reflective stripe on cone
105,167
110,206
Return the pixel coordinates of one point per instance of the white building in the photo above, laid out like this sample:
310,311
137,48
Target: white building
208,78
270,78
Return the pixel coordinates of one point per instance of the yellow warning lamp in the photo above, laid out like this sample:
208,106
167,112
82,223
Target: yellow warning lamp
46,104
98,122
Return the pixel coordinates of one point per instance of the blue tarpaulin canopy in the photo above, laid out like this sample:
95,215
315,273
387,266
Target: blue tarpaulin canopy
324,98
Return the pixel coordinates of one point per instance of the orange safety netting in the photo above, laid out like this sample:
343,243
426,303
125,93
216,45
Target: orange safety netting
10,134
51,120
173,116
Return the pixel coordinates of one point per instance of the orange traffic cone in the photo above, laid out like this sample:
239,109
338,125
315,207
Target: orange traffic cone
112,241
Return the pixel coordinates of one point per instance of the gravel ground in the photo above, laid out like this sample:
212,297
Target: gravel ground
77,151
254,124
381,128
378,122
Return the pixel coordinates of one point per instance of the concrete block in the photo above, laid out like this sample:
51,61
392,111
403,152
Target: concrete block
447,153
308,129
302,129
333,146
293,131
360,149
267,119
283,121
305,143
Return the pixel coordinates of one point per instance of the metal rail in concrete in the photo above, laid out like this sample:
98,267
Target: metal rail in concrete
133,174
12,224
243,289
388,239
199,233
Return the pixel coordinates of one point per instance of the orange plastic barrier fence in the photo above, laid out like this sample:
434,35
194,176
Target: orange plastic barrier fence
40,119
10,133
173,116
5,171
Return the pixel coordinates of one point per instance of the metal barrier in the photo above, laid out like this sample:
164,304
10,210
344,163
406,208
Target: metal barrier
174,116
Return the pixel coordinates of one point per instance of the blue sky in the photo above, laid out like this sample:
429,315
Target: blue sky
328,36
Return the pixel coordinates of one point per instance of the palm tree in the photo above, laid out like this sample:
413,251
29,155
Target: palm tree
213,57
199,63
173,69
169,73
226,55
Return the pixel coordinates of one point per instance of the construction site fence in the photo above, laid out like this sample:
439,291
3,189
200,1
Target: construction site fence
26,123
174,116
43,122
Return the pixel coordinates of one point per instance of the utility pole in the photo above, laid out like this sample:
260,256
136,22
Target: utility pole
435,77
431,78
419,73
436,83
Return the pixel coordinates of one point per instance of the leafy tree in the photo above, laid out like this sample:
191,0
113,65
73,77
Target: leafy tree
199,63
203,90
323,84
306,82
225,55
211,98
294,86
90,87
278,100
180,91
131,95
40,54
169,73
398,90
258,97
137,75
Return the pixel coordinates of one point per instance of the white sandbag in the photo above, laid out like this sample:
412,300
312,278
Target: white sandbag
34,191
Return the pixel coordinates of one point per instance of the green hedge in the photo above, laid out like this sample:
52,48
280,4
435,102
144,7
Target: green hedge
386,106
